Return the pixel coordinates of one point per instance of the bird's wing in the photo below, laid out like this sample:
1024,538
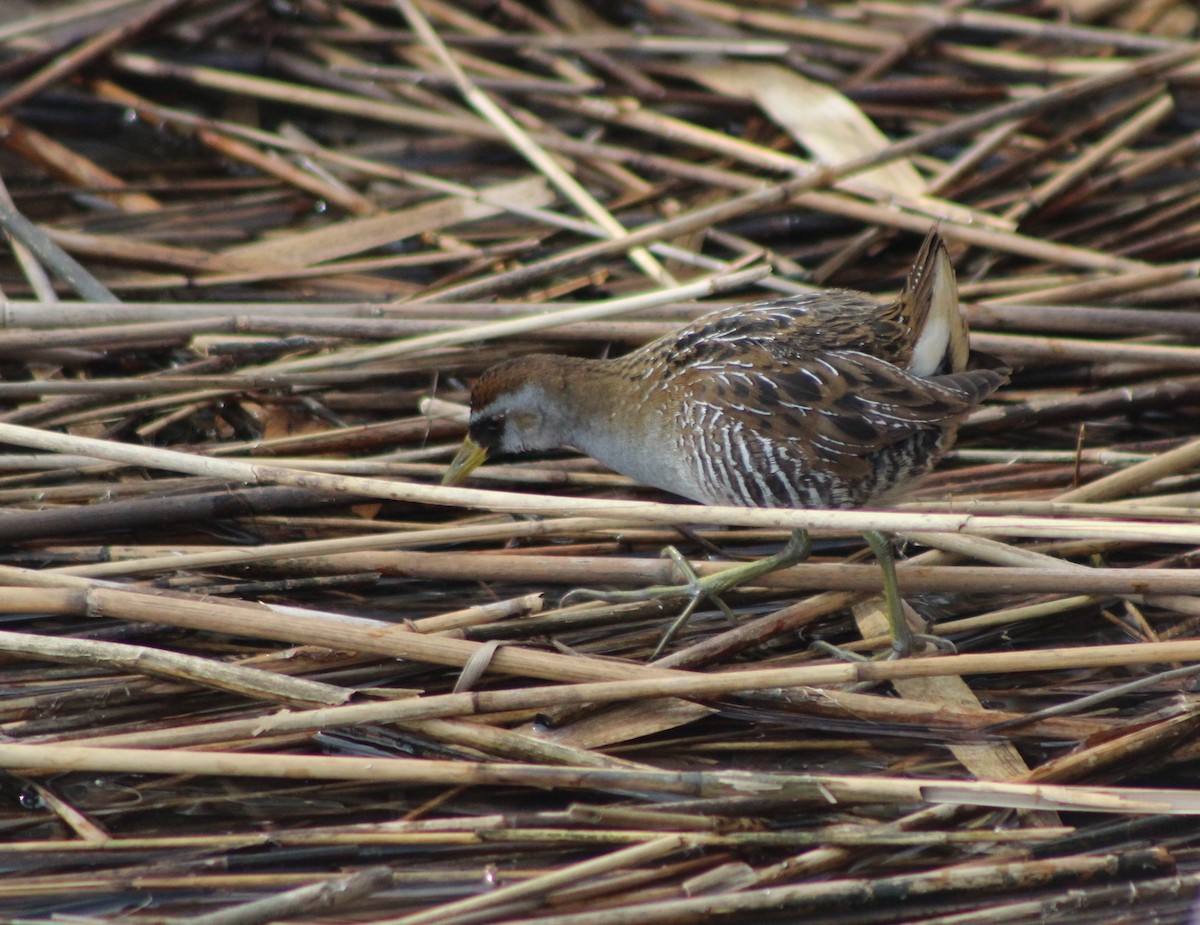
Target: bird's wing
835,408
788,329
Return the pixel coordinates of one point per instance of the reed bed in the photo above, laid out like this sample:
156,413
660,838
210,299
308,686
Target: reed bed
257,665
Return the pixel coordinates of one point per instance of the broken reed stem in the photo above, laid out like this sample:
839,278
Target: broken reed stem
248,682
718,283
316,628
536,886
525,145
334,893
576,571
848,521
319,240
808,788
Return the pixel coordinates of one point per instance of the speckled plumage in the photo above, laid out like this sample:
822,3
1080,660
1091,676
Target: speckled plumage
820,400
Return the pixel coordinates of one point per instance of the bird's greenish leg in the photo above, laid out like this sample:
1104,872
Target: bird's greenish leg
698,589
902,635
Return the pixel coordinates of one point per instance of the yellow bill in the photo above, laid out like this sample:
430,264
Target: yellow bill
469,458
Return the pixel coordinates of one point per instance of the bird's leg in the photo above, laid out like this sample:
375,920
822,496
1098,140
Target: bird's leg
902,635
698,589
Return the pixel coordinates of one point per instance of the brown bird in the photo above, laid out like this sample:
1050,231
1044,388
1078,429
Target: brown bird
822,400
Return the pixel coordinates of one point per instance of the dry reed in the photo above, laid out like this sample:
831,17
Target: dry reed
260,666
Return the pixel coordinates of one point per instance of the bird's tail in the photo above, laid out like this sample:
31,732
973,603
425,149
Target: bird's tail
930,299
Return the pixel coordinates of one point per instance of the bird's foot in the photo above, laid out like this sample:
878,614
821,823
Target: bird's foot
905,649
697,589
693,586
900,648
828,648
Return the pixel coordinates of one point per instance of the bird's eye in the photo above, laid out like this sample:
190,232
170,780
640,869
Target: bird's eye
488,431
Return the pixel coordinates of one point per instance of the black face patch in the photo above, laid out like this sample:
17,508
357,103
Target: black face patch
488,431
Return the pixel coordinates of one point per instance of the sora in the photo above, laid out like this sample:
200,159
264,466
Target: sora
826,400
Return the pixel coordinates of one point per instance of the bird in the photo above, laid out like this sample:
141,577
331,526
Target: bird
827,399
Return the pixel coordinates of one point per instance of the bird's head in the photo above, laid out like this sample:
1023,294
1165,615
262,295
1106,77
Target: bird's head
514,409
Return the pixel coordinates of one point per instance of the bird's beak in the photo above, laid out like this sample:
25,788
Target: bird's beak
470,456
